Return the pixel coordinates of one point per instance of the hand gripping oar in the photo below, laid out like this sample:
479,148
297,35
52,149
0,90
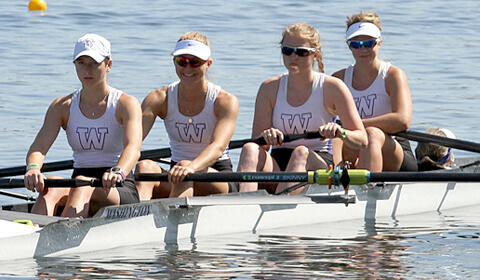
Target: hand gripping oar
440,140
153,154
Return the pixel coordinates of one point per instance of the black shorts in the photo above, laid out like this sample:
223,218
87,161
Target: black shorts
128,192
219,165
409,162
282,156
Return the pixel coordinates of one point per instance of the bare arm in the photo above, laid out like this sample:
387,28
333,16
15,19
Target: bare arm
226,110
152,106
401,116
55,118
339,101
264,104
129,114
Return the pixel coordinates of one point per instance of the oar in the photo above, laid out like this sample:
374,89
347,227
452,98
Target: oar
18,195
321,177
152,154
286,138
68,164
51,183
440,140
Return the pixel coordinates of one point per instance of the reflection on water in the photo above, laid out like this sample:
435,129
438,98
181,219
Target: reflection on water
414,247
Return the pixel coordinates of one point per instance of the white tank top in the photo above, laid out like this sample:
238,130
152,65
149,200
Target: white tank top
95,142
190,135
374,101
308,116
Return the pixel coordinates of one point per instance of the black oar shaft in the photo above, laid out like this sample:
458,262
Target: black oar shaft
53,183
440,140
424,177
231,177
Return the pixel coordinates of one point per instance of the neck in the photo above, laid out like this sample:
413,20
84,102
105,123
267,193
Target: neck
299,80
193,92
95,94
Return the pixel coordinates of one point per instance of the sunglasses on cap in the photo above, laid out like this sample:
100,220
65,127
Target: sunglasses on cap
367,43
183,61
300,51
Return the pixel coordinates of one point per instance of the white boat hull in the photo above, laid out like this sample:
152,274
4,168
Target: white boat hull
172,220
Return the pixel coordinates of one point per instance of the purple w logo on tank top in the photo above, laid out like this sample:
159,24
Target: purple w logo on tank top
365,105
295,123
92,137
190,132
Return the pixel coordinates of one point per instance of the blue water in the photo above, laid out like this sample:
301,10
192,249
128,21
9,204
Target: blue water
435,42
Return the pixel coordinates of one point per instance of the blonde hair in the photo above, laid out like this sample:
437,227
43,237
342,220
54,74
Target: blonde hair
309,33
192,35
371,17
429,154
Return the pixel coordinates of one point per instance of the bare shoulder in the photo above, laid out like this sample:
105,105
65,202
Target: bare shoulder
340,74
127,99
269,87
395,72
334,84
157,96
62,103
224,96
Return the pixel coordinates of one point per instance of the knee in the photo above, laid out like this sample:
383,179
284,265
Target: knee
147,166
301,152
375,135
250,149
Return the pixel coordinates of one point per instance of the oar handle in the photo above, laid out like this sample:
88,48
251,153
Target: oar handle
53,183
287,138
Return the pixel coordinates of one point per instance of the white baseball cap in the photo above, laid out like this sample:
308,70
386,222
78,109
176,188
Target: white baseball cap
363,28
448,133
192,47
94,46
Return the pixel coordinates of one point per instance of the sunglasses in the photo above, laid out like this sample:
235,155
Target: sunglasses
367,43
300,51
183,61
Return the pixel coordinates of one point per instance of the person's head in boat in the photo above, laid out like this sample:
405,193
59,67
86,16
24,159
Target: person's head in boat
303,42
192,55
432,156
363,33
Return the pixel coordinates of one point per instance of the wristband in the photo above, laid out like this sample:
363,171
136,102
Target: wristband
33,166
344,134
118,170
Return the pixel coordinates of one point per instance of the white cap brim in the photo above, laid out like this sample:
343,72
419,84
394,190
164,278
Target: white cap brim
363,28
192,47
91,53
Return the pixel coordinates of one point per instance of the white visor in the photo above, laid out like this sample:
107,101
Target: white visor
363,28
192,47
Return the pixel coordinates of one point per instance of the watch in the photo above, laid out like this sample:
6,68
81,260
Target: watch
118,170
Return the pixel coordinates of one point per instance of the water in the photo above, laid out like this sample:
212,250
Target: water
434,42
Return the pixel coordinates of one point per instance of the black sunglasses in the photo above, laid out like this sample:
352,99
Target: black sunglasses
300,51
367,43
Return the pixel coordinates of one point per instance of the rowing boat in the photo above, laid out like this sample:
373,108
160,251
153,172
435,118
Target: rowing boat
174,219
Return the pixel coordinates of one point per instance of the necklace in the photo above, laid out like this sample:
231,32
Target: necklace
99,106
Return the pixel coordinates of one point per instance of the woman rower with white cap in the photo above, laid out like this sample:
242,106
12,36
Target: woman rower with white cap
199,118
382,97
102,125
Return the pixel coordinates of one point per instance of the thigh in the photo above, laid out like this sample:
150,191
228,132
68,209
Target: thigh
392,154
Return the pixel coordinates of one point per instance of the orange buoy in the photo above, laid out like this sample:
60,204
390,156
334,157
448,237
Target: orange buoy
37,5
